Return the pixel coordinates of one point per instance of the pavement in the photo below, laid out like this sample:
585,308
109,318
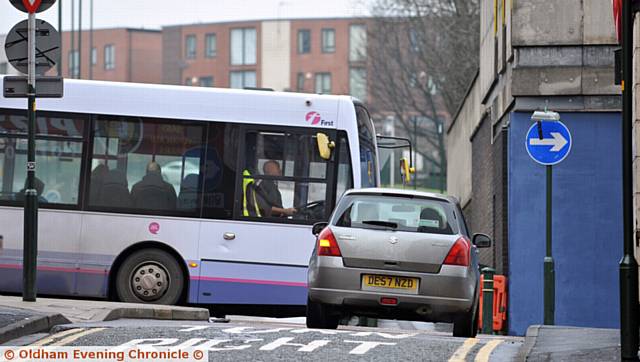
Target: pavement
19,318
558,343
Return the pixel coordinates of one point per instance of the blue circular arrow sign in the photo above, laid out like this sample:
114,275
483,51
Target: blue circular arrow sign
553,147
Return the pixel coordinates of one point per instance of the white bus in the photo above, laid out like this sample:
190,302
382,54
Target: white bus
155,193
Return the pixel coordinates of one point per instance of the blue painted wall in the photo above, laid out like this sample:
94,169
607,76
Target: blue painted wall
587,225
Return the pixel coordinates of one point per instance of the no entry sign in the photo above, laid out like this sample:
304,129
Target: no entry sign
32,6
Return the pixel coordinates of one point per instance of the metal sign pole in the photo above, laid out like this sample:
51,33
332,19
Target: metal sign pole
548,147
628,264
30,251
549,272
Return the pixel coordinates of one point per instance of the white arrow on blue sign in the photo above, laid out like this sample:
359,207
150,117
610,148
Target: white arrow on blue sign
554,145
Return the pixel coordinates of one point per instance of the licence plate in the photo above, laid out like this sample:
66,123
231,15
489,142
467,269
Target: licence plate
387,282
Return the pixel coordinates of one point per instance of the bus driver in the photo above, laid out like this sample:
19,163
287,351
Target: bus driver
270,198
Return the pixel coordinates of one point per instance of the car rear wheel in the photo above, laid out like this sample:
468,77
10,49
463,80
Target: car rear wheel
467,325
321,316
150,276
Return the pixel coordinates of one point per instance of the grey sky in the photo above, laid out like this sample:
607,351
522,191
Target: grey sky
155,13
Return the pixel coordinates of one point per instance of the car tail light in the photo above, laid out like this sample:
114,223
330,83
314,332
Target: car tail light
459,253
327,244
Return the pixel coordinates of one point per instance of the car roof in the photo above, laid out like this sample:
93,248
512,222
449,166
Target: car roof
401,192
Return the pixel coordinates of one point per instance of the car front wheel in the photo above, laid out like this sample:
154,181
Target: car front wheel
320,316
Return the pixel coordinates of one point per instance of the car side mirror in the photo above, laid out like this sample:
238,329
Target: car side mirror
481,241
317,227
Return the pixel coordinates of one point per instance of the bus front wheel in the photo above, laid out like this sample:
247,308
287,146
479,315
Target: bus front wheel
150,276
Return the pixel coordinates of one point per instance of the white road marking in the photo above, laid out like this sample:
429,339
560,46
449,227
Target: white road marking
151,342
74,337
193,328
383,335
237,330
214,342
189,343
485,351
51,338
321,331
285,341
365,346
461,353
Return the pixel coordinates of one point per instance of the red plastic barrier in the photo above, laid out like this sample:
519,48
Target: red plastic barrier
499,302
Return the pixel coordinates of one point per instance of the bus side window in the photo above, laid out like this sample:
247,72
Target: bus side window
58,157
345,171
146,165
220,170
289,177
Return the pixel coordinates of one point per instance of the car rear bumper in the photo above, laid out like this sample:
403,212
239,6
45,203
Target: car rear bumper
441,296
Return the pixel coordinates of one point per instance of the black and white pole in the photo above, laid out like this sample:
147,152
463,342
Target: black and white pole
41,56
30,250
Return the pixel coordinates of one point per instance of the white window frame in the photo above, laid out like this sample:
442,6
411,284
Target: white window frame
210,46
328,48
190,46
109,57
248,46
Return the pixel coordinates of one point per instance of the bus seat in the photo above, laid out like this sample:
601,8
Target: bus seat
114,191
96,181
153,197
188,198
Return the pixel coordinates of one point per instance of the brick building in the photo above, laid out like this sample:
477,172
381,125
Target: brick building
305,55
119,54
327,55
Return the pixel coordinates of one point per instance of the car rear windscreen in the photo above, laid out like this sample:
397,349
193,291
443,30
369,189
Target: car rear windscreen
400,213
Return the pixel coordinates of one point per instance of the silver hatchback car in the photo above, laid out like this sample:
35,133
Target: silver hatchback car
395,254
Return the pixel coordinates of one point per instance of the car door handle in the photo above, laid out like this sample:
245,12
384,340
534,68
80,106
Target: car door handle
229,236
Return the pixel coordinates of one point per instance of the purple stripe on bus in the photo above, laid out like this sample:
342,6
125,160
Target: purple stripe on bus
57,269
251,281
212,292
57,282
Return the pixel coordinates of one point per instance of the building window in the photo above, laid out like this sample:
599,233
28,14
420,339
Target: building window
304,41
323,83
206,81
242,79
414,40
3,68
358,83
74,63
300,78
210,45
243,46
328,40
109,56
94,56
357,43
188,81
190,47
